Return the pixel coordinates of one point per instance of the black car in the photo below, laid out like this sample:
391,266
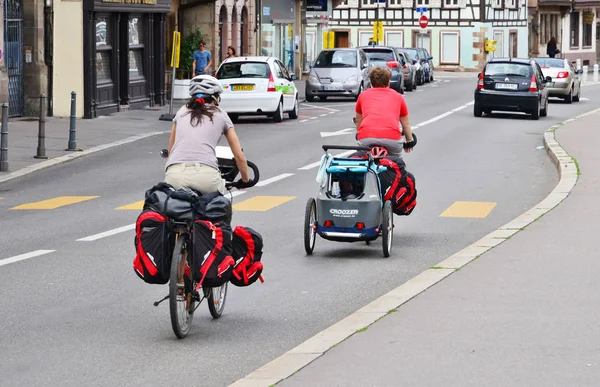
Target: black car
509,84
388,57
413,54
427,62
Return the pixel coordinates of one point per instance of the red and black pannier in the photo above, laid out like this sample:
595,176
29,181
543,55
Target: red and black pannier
153,245
212,248
247,253
398,185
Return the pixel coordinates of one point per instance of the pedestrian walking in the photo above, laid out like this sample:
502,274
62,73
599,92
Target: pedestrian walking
551,48
201,60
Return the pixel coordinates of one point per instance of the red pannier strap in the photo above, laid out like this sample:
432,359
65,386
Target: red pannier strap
218,233
390,164
248,259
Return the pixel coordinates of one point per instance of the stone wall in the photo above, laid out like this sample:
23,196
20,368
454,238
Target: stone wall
479,54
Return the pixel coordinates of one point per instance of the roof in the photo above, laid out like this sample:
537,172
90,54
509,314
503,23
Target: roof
376,47
251,58
507,59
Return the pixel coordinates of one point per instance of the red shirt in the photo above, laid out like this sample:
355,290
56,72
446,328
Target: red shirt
381,109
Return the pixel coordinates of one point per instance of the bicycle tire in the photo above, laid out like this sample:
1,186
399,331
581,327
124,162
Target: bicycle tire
180,328
215,311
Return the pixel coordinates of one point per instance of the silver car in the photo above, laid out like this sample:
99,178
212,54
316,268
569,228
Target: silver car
566,81
338,72
409,71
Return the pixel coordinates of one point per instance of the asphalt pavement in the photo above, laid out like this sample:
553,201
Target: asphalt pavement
74,312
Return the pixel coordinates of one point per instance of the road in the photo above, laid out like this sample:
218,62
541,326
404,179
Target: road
74,313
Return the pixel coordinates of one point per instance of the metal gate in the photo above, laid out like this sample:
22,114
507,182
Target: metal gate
13,54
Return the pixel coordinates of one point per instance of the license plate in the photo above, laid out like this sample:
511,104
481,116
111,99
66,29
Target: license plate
242,87
331,87
506,86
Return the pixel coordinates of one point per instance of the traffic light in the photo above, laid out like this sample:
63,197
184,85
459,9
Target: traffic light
378,31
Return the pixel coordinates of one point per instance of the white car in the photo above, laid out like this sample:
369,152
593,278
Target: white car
257,85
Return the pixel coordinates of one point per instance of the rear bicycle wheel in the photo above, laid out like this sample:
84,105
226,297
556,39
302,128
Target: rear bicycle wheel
181,301
387,228
216,300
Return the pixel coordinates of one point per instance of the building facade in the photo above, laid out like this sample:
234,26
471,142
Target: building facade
454,36
223,23
574,24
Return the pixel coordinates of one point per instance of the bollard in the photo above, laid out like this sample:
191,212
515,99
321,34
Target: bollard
595,76
4,139
73,123
578,64
585,74
41,148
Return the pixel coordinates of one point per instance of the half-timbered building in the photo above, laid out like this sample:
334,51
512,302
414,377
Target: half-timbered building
455,34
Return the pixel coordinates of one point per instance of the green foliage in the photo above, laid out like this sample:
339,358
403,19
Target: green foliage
189,44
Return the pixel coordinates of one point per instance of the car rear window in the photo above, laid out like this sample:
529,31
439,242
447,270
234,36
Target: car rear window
514,69
337,58
244,70
550,62
379,55
412,54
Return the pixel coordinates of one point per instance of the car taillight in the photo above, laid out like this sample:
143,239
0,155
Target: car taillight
405,66
562,74
271,86
480,81
533,84
392,64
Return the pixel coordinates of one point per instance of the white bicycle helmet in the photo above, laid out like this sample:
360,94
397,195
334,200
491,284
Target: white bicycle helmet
205,85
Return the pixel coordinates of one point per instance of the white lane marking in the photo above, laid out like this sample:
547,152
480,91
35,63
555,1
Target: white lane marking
437,118
273,179
317,163
313,118
303,120
23,257
584,99
338,132
321,107
108,233
324,114
446,80
236,193
419,90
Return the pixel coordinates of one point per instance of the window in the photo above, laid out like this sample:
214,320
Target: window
394,39
449,48
549,27
499,38
395,3
103,49
341,58
574,16
515,69
450,3
363,38
369,3
588,19
496,3
551,62
422,3
244,70
136,48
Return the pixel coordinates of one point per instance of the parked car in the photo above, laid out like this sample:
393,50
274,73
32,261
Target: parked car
566,82
427,61
256,85
408,71
387,57
338,72
413,54
509,84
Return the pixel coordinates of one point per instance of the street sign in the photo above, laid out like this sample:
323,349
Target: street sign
422,9
378,31
423,21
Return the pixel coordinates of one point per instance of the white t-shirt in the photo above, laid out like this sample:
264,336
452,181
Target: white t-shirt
196,144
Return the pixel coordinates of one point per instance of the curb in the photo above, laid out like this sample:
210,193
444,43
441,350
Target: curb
63,159
299,357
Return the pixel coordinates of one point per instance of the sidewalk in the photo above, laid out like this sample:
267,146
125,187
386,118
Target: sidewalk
91,135
526,313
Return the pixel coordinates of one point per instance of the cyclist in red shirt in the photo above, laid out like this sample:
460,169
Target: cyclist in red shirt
379,113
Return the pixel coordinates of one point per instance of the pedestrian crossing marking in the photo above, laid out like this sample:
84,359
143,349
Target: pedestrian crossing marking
133,206
51,204
262,203
469,210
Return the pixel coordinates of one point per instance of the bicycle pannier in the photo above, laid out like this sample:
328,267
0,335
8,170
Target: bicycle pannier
247,253
153,246
398,185
212,262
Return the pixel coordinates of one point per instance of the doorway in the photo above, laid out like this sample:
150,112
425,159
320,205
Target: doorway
513,46
13,47
342,40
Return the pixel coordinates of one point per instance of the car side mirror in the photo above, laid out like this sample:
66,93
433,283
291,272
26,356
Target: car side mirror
363,66
414,61
294,77
580,71
548,79
430,58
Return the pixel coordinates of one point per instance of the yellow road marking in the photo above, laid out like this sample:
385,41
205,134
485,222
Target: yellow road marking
53,203
262,203
133,206
469,210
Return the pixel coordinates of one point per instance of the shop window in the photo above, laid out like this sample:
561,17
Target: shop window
450,48
574,29
499,38
136,48
588,19
103,49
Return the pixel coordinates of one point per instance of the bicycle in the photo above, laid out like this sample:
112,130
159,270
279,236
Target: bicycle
183,302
